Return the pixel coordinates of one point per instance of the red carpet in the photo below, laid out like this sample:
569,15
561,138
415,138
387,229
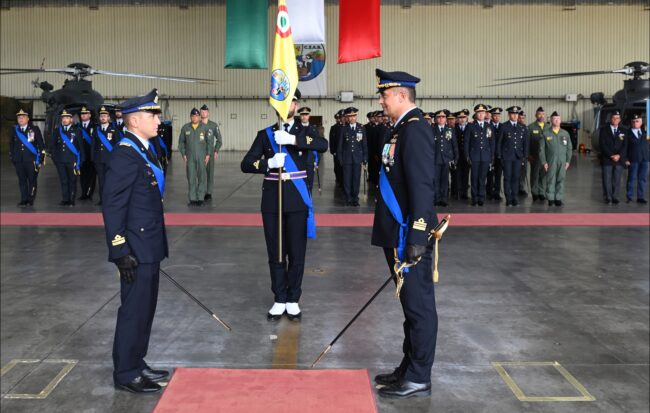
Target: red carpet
340,220
267,391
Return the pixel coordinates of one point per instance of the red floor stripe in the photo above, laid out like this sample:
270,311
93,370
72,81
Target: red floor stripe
55,219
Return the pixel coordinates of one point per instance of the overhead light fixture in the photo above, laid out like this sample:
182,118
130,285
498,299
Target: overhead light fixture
569,5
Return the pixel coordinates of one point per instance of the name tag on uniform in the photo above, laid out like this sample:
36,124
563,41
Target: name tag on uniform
549,138
536,132
187,133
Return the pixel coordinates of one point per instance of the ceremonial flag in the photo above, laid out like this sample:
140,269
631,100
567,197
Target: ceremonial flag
246,34
307,21
359,30
284,73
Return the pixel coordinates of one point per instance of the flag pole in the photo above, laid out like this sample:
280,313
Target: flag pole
280,254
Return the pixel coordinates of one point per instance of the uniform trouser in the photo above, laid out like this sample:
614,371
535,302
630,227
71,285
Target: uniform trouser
134,320
493,186
421,319
68,181
101,177
523,177
611,175
26,180
479,179
351,180
196,178
373,170
511,171
286,276
338,171
638,173
88,178
460,179
441,182
537,178
210,175
555,181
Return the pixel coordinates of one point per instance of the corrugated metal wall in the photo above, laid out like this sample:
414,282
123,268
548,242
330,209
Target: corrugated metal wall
455,49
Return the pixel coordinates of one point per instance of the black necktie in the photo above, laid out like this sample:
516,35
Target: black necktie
286,127
615,131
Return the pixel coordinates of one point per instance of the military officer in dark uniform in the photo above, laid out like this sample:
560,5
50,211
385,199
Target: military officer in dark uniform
68,155
352,152
404,216
460,176
137,241
314,157
512,152
451,119
119,122
613,148
479,151
88,171
493,185
27,152
162,149
637,159
335,134
297,211
374,151
105,138
446,153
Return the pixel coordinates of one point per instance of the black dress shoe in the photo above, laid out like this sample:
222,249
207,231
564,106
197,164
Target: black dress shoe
628,200
82,198
294,317
550,203
274,317
498,198
405,389
464,197
474,203
443,203
541,197
388,379
558,202
615,201
515,202
140,385
641,201
480,203
22,203
356,203
207,197
608,201
30,203
507,203
524,193
154,375
535,197
63,203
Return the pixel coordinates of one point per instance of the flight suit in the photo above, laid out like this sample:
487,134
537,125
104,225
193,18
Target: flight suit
25,161
67,164
512,151
537,173
286,276
352,152
445,152
101,153
555,150
194,143
214,134
480,145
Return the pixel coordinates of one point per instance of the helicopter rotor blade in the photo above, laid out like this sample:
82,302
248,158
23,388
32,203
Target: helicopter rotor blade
14,71
147,76
596,72
528,79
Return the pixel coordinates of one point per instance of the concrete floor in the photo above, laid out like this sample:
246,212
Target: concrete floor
575,295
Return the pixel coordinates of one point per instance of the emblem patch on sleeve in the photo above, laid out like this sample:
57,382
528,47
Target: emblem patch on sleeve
309,140
118,240
420,225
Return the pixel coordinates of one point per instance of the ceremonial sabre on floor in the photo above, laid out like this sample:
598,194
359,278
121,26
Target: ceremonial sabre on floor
437,234
196,300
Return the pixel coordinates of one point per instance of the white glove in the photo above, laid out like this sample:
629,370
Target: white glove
284,138
277,161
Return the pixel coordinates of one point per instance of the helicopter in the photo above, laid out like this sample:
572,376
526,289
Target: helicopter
78,92
631,100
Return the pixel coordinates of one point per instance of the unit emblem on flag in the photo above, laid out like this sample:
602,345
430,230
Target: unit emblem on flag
280,85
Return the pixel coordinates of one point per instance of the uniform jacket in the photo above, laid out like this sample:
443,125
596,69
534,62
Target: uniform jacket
445,145
60,152
335,132
101,154
637,148
535,136
555,148
512,142
87,147
352,145
18,152
460,140
132,206
255,161
411,177
195,143
612,145
480,143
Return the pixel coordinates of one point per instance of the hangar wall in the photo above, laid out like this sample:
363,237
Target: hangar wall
454,49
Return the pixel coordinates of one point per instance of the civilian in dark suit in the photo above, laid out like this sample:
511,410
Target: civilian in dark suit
137,241
613,148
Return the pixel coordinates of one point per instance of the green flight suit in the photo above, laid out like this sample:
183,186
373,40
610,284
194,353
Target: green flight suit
214,134
555,150
537,174
194,144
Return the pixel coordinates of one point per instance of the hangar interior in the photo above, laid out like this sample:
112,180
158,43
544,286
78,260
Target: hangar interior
541,309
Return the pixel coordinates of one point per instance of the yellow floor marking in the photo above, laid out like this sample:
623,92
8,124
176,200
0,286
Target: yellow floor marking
285,354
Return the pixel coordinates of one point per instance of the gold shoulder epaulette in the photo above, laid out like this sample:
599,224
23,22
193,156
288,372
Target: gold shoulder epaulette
124,144
413,119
